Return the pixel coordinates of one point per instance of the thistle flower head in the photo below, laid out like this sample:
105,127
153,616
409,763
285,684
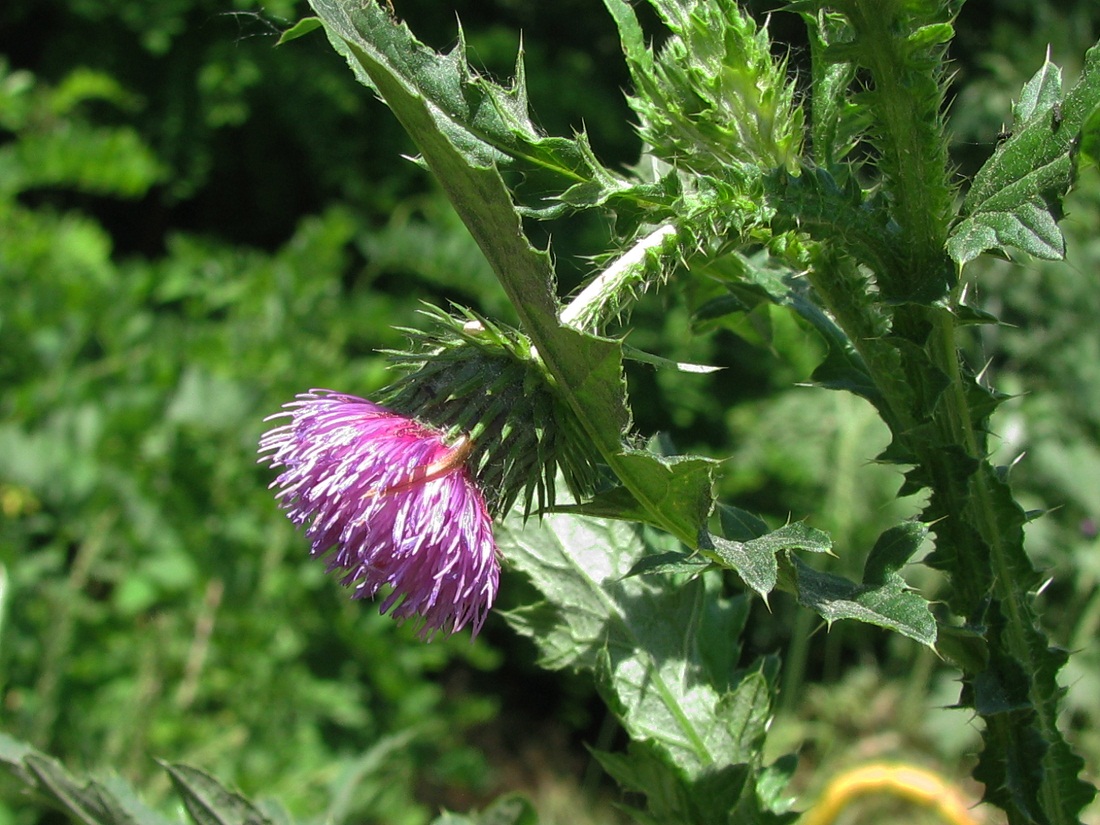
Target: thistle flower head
391,504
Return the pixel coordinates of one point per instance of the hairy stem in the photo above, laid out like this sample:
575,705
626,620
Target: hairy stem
606,294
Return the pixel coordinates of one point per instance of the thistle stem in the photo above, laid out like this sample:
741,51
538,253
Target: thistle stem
603,296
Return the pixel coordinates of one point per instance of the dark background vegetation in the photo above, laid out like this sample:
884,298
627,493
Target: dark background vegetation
195,225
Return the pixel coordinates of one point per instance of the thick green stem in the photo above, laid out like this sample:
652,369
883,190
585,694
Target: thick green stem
909,135
1011,576
937,415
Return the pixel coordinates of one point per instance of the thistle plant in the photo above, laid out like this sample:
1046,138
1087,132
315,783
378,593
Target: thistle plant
828,196
754,188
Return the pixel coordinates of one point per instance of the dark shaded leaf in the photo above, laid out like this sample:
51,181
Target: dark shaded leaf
208,802
99,801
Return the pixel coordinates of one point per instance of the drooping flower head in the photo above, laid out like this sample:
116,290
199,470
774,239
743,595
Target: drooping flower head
391,504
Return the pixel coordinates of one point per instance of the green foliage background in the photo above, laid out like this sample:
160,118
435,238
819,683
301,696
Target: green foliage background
195,225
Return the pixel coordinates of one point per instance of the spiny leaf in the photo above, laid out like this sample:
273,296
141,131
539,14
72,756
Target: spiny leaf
723,795
901,46
1015,200
837,122
670,795
209,803
1090,137
755,560
816,203
834,597
883,599
740,525
758,570
893,550
488,123
713,97
1027,767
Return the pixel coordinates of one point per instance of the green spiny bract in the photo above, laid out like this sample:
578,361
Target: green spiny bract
712,97
467,375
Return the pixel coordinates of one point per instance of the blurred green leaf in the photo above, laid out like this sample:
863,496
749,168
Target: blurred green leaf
1090,137
209,803
88,801
511,809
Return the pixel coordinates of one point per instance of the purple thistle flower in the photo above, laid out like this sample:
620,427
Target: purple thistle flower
395,501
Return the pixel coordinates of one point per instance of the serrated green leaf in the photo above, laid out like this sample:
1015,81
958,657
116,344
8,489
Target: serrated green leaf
722,795
488,123
1028,768
795,536
643,636
837,123
1015,199
642,357
759,570
1039,94
889,606
1090,136
679,488
740,525
712,98
965,646
755,560
774,782
842,213
894,549
646,771
1030,226
208,802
